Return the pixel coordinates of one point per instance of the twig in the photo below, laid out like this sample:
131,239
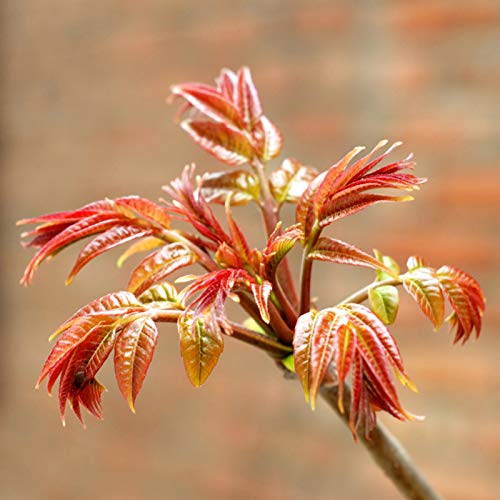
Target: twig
386,450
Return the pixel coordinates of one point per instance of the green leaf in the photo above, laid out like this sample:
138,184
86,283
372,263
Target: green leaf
384,301
201,346
387,262
290,181
289,363
163,295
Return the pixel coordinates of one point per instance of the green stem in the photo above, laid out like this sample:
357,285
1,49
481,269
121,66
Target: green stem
362,295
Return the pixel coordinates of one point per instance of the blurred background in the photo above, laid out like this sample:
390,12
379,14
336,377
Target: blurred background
83,117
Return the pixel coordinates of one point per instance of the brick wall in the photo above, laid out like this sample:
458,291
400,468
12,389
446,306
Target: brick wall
83,117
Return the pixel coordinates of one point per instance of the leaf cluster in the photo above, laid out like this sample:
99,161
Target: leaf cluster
347,342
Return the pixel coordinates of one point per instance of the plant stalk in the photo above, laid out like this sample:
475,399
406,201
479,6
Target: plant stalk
362,295
386,450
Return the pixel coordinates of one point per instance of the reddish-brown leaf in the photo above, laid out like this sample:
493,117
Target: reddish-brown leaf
261,295
467,300
210,102
302,341
331,250
278,245
134,351
160,264
267,138
327,326
423,285
113,237
225,143
247,98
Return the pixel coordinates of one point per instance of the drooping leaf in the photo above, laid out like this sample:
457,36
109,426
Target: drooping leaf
201,346
466,299
423,285
134,351
331,250
157,266
384,301
302,340
121,220
241,185
225,143
289,182
328,327
114,304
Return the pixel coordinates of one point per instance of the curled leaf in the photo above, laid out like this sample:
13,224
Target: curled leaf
289,182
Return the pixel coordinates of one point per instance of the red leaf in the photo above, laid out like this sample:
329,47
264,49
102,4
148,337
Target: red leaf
210,102
327,327
331,250
467,300
278,245
302,341
124,215
261,294
160,264
268,139
247,99
134,351
226,144
113,237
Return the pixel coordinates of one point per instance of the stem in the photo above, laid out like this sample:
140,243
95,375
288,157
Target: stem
240,332
386,450
269,210
306,271
362,295
305,283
